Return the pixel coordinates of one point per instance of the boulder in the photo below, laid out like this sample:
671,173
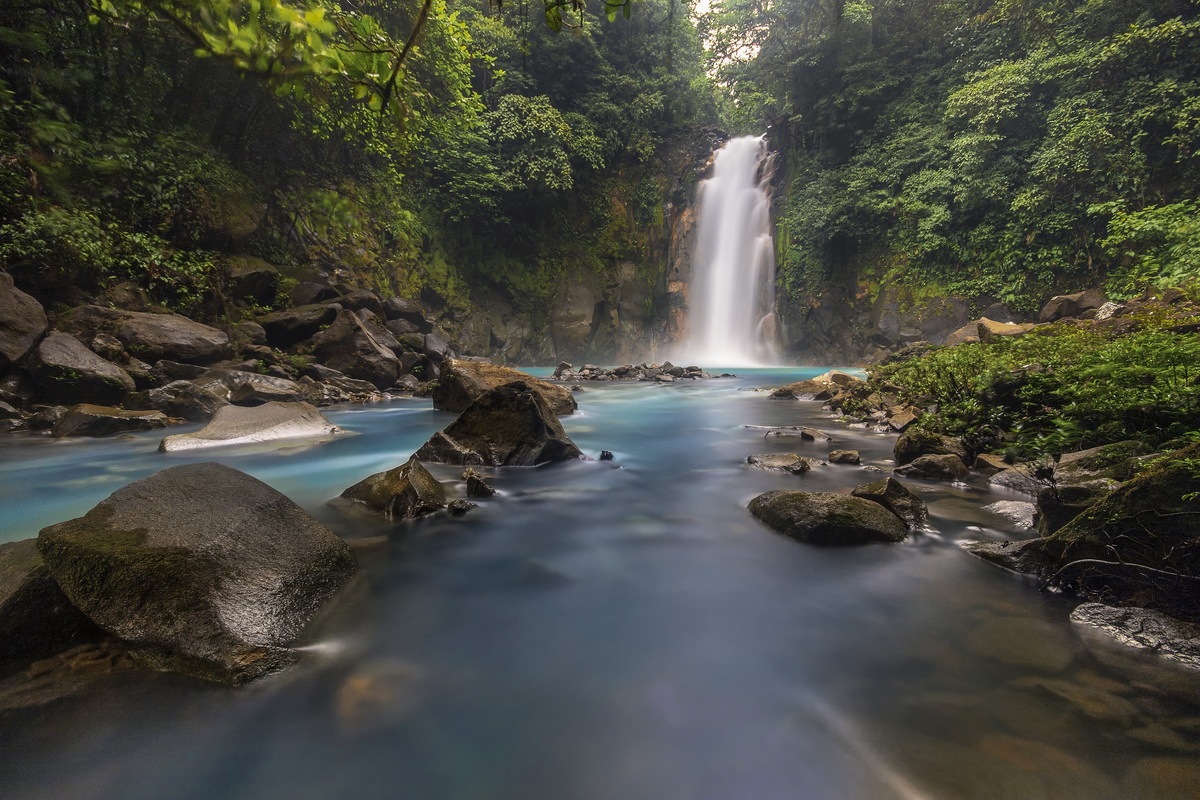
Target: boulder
200,569
1058,505
22,322
401,493
462,382
821,387
844,457
253,279
361,300
437,348
86,419
903,418
1071,305
149,337
782,462
988,464
938,468
397,308
1138,545
294,325
401,327
250,333
916,442
350,347
307,293
991,330
897,498
67,372
248,388
827,518
1118,461
182,399
1017,512
250,424
509,426
476,485
36,618
966,334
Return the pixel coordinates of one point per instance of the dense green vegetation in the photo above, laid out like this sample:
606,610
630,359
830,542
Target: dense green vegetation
996,149
437,149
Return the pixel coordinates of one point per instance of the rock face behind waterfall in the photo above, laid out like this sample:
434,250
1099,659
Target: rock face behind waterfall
509,426
201,569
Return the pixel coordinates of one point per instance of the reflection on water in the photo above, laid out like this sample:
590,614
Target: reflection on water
619,630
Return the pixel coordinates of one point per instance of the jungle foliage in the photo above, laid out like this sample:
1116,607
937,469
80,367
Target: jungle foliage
999,149
430,147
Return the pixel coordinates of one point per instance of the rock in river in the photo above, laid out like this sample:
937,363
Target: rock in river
249,424
897,498
201,569
86,419
827,518
463,382
509,426
406,491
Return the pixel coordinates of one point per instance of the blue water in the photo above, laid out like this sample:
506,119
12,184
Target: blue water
618,630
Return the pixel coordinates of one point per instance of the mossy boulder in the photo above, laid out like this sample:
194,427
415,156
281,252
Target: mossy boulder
1138,545
463,382
826,518
935,468
200,569
916,442
407,491
897,498
509,426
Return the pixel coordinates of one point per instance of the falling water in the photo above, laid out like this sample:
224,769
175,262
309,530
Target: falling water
731,319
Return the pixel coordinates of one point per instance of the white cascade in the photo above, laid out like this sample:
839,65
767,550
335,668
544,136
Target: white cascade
731,307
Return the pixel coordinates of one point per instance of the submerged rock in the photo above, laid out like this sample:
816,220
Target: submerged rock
827,518
509,426
897,498
249,424
463,382
1144,629
783,462
407,491
201,569
86,419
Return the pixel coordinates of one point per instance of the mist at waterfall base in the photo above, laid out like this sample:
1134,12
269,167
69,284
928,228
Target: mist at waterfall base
731,305
614,630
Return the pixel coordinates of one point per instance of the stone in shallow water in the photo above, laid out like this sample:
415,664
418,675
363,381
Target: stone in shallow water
251,424
827,518
200,569
89,420
407,491
781,462
844,457
897,498
1144,629
1017,512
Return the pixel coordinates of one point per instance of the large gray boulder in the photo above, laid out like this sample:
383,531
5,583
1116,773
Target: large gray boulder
462,382
22,322
352,348
294,325
66,372
936,468
200,569
509,426
36,618
397,308
407,491
149,337
897,498
87,419
249,388
827,518
253,279
182,399
1071,305
253,424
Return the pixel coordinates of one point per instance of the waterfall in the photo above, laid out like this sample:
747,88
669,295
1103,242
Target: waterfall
731,308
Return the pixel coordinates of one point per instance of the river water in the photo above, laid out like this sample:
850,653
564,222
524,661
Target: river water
619,630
